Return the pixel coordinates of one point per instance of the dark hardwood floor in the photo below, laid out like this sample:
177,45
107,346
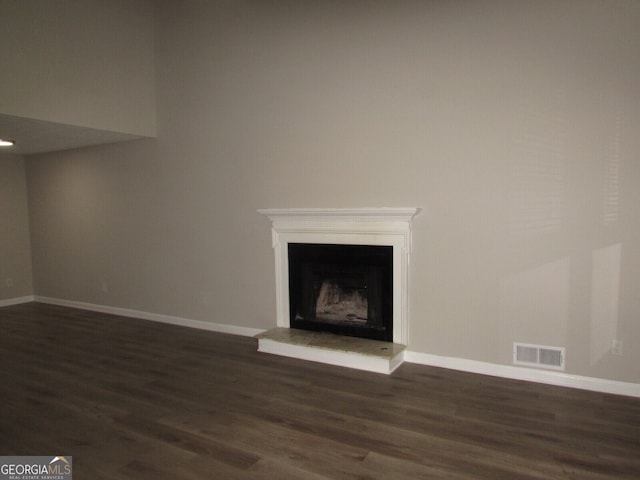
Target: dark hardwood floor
134,399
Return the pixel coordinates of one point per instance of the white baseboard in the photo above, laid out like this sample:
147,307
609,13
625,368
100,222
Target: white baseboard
16,301
528,374
155,317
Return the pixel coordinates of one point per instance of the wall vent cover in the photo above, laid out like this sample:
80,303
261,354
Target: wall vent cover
538,356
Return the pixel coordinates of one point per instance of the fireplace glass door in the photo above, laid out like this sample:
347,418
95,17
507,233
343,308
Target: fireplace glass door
344,289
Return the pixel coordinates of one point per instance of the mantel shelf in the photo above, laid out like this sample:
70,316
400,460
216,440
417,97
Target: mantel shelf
366,214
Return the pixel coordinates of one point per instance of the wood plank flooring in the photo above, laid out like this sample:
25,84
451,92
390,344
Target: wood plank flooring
133,399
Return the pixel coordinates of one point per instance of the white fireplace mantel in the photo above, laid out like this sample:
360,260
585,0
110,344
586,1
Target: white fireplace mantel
348,226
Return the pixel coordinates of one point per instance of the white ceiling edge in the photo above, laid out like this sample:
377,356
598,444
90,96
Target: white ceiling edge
39,136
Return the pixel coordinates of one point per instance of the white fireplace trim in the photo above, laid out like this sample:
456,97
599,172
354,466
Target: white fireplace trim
349,226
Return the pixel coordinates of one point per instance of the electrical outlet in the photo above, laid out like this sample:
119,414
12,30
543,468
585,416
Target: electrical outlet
616,347
9,282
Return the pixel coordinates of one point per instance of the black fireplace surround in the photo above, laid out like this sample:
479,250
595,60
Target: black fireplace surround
343,289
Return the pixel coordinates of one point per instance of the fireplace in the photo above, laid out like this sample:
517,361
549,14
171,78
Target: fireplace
383,237
343,289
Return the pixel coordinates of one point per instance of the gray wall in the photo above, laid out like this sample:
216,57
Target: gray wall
15,247
513,125
79,62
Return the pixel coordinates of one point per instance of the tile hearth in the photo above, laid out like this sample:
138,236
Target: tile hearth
351,352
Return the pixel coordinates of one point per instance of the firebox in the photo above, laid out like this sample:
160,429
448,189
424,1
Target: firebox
344,289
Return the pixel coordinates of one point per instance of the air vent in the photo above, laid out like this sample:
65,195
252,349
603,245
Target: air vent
538,356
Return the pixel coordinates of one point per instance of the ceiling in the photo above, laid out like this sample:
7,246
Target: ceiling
38,136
